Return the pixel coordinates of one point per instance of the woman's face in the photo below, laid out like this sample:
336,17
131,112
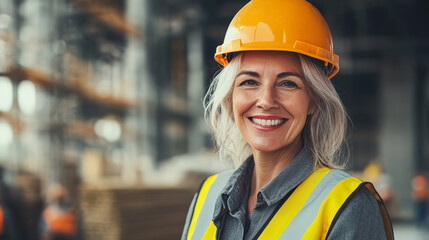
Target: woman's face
270,101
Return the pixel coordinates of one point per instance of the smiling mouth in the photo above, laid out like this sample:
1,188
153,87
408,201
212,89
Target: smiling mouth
268,122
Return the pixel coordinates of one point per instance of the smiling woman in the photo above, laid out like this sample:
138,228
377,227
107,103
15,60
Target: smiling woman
275,113
327,119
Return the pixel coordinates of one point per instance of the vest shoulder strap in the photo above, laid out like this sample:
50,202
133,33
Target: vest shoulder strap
205,203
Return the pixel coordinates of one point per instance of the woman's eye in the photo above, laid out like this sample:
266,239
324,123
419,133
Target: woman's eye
248,83
288,83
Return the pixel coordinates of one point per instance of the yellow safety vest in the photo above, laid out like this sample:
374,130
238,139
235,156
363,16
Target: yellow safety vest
306,214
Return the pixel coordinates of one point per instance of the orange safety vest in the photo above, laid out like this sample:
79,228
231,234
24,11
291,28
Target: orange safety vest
60,222
420,188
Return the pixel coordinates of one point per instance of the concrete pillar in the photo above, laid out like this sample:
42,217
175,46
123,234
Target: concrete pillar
141,86
196,92
397,139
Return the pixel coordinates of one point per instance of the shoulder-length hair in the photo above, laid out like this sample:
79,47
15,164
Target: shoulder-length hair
323,133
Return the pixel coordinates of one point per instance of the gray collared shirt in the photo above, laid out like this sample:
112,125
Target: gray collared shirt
361,218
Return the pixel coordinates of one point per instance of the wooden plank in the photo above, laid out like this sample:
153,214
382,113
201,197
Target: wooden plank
134,213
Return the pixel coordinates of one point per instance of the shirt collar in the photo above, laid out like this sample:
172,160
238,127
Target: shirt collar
238,187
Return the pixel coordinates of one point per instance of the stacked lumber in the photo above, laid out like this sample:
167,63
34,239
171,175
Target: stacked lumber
134,213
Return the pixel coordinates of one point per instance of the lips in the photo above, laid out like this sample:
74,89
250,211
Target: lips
267,123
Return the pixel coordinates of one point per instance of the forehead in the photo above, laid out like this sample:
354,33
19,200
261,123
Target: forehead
272,60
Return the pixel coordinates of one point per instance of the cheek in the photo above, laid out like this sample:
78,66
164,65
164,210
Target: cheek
298,106
239,103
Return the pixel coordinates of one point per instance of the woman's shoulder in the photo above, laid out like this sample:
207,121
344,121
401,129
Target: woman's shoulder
362,201
358,218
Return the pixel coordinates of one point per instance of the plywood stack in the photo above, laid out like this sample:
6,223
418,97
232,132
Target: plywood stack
134,213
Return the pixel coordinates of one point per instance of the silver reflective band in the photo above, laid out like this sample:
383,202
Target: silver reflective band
309,211
206,213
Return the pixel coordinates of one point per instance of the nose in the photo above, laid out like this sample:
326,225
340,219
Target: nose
267,98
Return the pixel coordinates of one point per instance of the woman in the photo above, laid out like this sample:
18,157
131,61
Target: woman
275,113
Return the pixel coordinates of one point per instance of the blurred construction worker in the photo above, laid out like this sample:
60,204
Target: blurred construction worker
5,224
420,196
59,218
373,173
7,227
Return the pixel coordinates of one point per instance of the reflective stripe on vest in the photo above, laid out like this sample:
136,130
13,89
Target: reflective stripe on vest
204,206
306,214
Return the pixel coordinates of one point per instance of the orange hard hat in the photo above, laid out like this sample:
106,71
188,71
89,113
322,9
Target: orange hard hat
280,25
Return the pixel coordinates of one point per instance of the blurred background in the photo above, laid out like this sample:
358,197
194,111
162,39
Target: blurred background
105,98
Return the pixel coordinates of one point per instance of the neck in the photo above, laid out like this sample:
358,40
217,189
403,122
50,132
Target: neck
270,164
267,166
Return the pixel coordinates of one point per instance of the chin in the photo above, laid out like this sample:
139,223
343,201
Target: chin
265,147
273,145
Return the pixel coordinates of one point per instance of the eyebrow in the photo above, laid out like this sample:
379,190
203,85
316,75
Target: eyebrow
280,75
253,74
285,74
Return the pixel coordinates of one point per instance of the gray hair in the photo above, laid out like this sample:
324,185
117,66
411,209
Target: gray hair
324,131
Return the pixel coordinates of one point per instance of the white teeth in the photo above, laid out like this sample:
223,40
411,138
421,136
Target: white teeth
270,122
